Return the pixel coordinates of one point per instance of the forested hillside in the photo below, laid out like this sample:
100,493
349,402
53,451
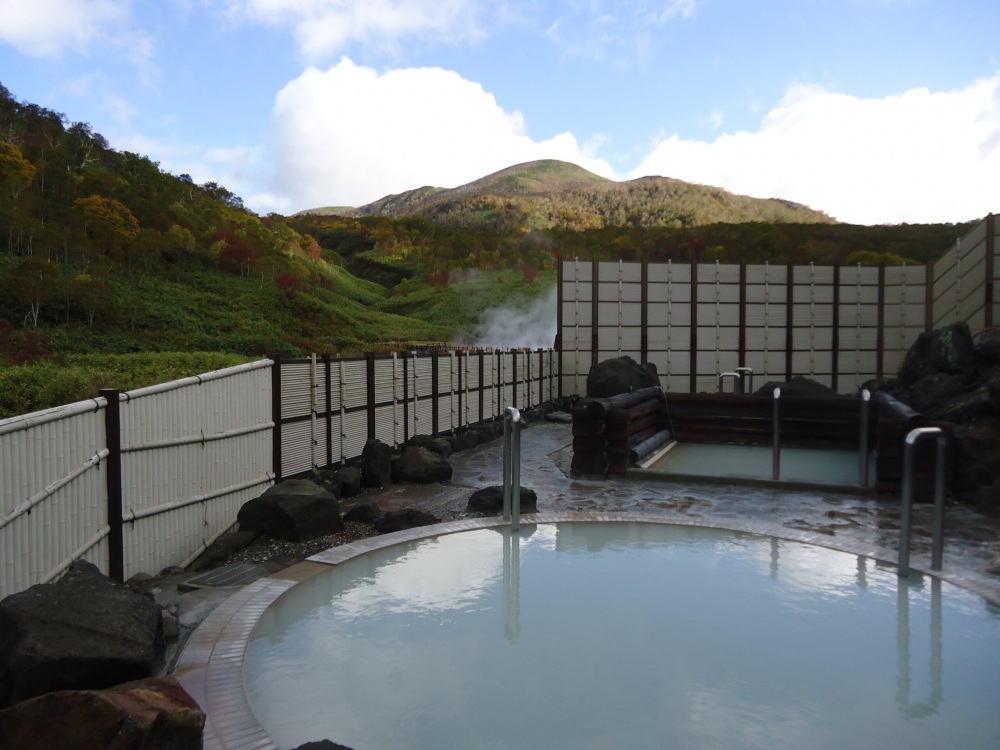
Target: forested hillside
116,273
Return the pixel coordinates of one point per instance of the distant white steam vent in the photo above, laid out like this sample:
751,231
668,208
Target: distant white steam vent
531,327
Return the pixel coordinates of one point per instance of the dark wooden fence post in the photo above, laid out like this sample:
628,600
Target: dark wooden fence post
458,364
595,287
835,341
991,233
557,344
880,330
406,398
327,367
482,387
113,467
693,376
434,392
276,416
370,392
789,318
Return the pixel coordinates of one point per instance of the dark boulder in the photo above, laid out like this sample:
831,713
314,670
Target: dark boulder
979,402
975,455
376,464
944,350
987,347
466,440
224,547
986,499
399,520
929,393
560,417
153,714
420,441
420,466
327,479
367,512
620,375
83,631
295,509
349,481
441,446
489,501
798,386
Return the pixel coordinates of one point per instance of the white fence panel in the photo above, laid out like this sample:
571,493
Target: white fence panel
54,493
193,452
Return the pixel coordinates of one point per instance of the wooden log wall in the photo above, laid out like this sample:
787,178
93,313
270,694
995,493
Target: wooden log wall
606,431
806,422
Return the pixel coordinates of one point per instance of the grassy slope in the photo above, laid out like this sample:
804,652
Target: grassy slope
466,298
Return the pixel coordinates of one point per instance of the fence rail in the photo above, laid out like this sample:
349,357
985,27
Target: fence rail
329,408
136,481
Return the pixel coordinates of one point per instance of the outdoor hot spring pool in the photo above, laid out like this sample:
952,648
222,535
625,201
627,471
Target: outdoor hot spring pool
625,635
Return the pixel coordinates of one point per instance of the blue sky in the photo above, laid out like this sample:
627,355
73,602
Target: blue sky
874,111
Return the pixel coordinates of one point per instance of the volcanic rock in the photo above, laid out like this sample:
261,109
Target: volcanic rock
420,466
399,520
295,509
83,631
620,375
153,714
489,501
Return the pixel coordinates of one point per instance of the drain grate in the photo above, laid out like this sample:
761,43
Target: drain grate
233,574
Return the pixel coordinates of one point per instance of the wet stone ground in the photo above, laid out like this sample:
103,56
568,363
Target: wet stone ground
972,539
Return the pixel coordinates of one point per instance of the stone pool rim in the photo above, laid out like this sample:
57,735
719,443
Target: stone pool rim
210,667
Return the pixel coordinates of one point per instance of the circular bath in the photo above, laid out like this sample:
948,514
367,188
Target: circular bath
630,635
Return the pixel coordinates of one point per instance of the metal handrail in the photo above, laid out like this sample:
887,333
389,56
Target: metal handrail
863,439
905,523
747,373
512,467
722,377
776,433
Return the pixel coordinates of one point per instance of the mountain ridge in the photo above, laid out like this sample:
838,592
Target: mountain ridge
549,193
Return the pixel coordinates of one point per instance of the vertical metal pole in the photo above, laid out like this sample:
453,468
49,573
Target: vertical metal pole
515,475
937,543
113,467
863,439
905,525
746,382
512,467
905,512
776,432
506,466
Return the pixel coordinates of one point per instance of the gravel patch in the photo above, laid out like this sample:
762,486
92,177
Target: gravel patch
265,549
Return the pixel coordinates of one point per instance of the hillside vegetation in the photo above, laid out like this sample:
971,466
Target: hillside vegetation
114,273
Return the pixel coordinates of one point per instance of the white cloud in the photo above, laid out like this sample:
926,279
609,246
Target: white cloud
350,135
324,27
919,156
42,28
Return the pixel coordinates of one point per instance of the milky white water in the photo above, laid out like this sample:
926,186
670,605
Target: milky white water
588,635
